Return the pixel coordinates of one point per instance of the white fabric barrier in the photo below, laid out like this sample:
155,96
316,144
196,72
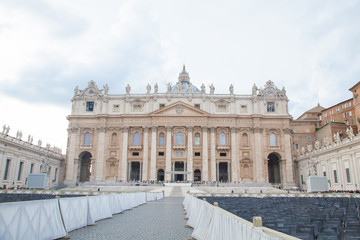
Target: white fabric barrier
115,204
153,196
31,220
98,208
212,223
74,211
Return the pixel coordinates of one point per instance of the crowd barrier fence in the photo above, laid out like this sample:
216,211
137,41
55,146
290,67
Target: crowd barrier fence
54,218
211,222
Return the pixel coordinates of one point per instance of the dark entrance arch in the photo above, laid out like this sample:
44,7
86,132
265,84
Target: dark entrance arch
197,175
135,171
274,168
160,176
179,166
223,172
85,168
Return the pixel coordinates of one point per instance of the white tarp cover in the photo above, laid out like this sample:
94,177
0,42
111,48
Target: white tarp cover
98,208
31,220
74,211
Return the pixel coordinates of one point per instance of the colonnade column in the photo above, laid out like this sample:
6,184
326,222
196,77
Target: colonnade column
205,167
259,163
234,162
100,154
153,154
289,163
213,155
168,154
190,177
145,154
123,176
70,176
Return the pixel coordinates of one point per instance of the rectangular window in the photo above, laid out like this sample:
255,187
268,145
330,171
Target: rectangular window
331,112
135,154
347,122
161,140
325,114
161,154
335,177
308,138
116,108
337,109
161,105
7,166
346,115
197,105
31,168
197,140
20,170
55,174
270,107
302,179
326,122
243,108
348,175
332,120
89,106
324,173
197,154
222,154
320,117
296,146
350,114
349,104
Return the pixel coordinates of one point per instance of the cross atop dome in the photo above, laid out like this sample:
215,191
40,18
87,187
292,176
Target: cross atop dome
184,76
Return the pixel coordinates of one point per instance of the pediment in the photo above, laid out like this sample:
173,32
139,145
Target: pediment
179,109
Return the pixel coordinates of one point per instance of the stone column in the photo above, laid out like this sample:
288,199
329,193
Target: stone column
168,167
205,167
100,154
70,176
153,154
145,155
124,155
288,158
234,160
190,155
213,155
258,150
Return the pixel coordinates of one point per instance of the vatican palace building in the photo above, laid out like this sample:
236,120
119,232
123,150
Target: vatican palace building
187,133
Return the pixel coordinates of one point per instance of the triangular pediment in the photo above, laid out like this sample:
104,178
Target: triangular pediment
179,109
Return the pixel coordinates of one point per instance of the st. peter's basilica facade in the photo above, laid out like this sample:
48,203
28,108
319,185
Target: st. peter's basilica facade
184,134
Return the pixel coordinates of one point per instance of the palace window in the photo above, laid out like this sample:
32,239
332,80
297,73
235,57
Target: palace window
197,139
270,107
89,106
222,139
223,154
135,154
161,139
7,166
20,171
272,140
335,177
161,105
136,138
348,175
197,154
197,105
179,138
161,154
87,138
324,174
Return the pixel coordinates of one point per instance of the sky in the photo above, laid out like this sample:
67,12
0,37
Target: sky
47,48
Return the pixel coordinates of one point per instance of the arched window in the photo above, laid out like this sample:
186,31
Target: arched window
114,139
136,138
222,139
179,138
87,138
272,140
197,138
245,139
112,169
161,139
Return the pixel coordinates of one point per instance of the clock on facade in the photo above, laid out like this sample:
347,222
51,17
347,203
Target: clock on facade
270,91
91,91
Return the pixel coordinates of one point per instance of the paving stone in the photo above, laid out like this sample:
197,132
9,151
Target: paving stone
163,219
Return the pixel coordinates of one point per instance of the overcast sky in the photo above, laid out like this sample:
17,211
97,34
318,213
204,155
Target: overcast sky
312,48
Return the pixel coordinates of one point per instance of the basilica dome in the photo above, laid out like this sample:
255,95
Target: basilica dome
184,85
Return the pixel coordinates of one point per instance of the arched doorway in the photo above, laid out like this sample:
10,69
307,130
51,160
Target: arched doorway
160,176
135,171
197,175
179,167
274,168
85,168
223,172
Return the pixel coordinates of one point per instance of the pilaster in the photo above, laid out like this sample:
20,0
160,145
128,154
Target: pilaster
153,154
168,154
190,154
145,154
205,167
